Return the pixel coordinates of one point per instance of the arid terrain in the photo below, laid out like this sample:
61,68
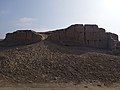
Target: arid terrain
45,62
49,61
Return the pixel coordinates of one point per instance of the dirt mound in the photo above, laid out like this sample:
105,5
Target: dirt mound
45,62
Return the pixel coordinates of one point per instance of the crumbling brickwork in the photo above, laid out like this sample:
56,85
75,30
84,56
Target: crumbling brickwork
21,37
84,35
75,35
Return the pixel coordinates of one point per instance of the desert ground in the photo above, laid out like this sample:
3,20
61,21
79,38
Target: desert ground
61,87
47,65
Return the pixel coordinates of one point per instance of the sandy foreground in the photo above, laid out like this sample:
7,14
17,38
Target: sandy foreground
61,87
67,88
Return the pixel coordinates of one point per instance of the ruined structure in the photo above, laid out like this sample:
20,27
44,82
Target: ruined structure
85,36
21,37
75,35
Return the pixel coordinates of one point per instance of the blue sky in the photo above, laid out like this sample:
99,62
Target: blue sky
42,15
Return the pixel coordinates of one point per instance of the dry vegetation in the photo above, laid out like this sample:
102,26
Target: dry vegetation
45,62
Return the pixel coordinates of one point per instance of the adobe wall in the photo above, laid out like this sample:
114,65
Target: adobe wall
21,37
95,37
78,34
118,46
84,35
73,35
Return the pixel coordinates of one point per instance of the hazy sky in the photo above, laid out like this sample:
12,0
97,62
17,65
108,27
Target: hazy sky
41,15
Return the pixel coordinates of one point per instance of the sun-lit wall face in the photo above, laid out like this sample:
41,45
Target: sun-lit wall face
112,5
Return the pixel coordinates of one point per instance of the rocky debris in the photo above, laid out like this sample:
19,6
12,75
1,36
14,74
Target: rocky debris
41,62
21,37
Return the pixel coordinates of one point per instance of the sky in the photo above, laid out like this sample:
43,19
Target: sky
45,15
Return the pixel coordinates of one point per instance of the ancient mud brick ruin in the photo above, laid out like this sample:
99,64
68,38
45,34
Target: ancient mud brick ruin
75,35
85,36
21,37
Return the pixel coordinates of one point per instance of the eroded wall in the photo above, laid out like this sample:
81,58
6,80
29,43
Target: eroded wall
21,37
84,35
